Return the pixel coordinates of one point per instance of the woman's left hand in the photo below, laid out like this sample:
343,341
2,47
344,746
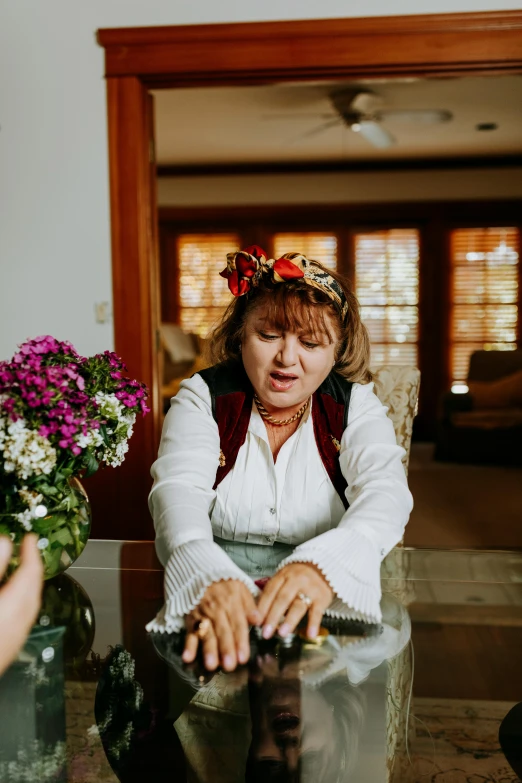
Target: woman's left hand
280,599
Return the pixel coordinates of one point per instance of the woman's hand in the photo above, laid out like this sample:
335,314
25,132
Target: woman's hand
280,599
231,609
19,598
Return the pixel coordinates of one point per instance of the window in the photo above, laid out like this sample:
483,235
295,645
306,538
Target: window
315,246
203,294
387,286
484,294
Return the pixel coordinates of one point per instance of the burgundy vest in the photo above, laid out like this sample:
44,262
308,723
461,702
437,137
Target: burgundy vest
232,395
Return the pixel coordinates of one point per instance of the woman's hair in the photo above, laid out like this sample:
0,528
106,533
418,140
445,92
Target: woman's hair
297,306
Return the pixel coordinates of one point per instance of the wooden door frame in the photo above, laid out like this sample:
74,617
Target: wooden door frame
139,59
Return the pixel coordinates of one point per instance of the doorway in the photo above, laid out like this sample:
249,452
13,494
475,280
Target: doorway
301,58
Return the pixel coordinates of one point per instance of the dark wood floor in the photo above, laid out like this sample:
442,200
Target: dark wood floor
463,506
467,661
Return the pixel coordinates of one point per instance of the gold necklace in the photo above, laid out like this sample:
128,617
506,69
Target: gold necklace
278,422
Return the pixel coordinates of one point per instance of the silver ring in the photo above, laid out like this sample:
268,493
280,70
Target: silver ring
305,598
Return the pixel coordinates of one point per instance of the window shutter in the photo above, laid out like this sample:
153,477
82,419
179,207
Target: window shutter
315,246
484,294
387,287
203,294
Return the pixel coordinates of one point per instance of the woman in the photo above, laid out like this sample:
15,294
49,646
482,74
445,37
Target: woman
281,441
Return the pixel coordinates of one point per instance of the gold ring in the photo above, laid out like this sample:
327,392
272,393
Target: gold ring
202,627
304,598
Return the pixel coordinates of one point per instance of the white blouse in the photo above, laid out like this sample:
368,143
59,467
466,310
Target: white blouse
291,501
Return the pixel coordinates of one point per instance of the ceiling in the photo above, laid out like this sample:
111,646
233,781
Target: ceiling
268,123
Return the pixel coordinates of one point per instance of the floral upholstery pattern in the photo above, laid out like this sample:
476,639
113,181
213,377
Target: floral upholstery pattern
398,389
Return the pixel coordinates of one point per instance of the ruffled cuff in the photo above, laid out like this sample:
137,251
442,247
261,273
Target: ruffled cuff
191,568
350,564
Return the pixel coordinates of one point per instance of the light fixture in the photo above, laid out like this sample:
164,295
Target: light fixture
486,126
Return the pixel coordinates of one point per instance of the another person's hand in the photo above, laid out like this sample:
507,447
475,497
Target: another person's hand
231,609
280,598
19,598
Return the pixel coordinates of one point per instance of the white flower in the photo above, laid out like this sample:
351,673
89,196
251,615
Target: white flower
27,453
25,518
109,405
40,511
93,438
43,543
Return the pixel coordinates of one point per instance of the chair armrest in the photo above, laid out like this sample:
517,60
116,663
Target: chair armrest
456,403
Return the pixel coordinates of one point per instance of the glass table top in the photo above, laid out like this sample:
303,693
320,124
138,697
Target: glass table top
420,697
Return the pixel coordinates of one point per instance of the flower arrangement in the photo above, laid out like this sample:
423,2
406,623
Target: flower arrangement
62,415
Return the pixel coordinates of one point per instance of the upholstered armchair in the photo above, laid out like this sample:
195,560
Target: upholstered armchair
398,388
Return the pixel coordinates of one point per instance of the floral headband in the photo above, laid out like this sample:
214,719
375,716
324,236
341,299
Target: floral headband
245,268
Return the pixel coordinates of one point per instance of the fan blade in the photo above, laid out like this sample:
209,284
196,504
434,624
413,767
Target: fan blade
318,129
375,134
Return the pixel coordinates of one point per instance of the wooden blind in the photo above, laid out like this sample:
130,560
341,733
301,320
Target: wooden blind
203,294
484,294
387,286
314,245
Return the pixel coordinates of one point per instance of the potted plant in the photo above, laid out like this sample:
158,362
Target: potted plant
62,415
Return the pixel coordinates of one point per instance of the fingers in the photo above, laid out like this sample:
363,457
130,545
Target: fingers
229,606
250,608
211,651
268,596
240,629
6,548
226,641
314,620
191,640
279,607
293,617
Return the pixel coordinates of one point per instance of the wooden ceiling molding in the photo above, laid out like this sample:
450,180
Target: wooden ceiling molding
138,59
434,44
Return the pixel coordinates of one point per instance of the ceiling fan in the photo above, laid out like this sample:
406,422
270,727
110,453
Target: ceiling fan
361,110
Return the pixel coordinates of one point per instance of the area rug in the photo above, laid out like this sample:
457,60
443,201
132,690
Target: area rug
456,741
452,741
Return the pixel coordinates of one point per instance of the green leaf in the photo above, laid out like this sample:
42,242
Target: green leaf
103,432
62,536
92,464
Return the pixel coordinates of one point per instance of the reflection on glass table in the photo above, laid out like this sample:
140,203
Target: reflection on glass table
419,697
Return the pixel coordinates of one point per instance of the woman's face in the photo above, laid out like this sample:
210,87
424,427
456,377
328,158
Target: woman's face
285,368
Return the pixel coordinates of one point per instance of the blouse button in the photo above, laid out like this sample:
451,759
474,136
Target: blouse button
272,510
269,539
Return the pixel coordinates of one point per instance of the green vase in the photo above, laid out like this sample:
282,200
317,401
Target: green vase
66,532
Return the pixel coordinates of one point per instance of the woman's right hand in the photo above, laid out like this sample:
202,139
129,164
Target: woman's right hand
231,609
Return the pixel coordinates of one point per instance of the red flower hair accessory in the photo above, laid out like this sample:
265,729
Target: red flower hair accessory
245,268
241,268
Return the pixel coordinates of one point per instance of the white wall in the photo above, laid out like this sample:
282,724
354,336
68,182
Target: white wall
344,187
54,214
